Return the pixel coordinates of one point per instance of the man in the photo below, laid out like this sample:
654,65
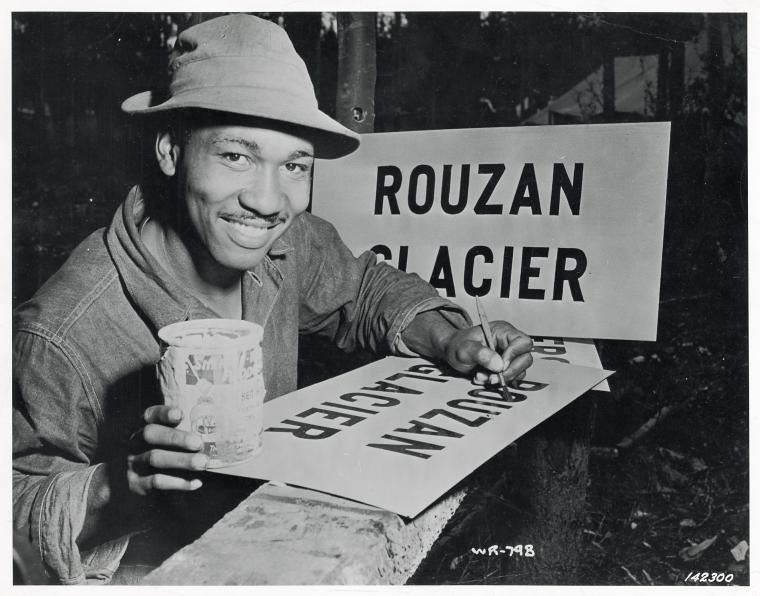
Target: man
223,233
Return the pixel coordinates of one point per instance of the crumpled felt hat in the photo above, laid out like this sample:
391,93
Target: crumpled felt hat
245,65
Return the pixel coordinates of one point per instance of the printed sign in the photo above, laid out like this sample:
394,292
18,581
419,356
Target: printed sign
581,352
398,433
557,228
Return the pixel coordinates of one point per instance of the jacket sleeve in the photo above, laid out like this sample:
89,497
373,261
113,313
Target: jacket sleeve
358,301
54,438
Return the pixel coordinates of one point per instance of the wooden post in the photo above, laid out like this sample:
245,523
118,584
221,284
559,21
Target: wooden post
357,71
542,496
548,483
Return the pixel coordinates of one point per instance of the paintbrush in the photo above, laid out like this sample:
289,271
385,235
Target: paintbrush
486,326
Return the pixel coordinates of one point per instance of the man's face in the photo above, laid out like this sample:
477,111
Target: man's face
242,187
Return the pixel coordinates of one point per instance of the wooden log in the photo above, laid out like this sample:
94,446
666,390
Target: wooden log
283,535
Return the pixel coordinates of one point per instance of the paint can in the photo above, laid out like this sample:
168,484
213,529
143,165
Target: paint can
212,370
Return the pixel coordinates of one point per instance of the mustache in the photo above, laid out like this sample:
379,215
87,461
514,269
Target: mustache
270,219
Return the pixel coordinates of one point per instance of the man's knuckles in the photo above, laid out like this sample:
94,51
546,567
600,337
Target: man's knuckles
158,434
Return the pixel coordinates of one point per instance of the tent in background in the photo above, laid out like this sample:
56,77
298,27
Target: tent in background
635,94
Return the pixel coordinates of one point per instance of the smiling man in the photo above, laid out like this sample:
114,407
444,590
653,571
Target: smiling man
223,233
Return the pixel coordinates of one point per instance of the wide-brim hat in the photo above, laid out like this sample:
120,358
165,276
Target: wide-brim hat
242,64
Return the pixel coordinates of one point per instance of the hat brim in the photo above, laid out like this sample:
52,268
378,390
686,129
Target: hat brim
331,139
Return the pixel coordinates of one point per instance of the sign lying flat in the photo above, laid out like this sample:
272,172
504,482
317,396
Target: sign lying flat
581,352
398,433
557,228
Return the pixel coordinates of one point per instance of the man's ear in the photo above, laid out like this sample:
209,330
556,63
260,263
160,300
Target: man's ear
167,152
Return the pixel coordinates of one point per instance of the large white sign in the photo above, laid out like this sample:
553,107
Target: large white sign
558,228
399,433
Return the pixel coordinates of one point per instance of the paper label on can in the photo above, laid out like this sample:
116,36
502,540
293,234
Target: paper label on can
221,393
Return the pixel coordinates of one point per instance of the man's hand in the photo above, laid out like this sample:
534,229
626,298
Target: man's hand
466,350
162,456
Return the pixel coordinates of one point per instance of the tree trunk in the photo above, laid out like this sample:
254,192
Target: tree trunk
547,483
320,359
357,71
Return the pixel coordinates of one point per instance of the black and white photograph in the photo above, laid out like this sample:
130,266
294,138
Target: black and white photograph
417,297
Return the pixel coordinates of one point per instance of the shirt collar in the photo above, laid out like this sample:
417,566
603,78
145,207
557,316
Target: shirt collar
157,294
161,297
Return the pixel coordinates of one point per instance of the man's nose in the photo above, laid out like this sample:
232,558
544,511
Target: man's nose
264,194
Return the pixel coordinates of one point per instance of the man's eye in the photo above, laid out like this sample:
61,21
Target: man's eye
297,168
236,158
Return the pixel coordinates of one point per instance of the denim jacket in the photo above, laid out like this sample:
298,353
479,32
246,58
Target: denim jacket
85,348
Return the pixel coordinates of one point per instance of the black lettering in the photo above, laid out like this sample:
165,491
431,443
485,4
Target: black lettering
387,191
425,428
557,348
427,369
345,407
469,266
556,359
506,271
562,274
403,255
464,189
526,193
408,448
351,419
386,387
429,173
389,401
527,272
457,405
572,190
496,395
549,350
303,430
482,207
382,251
529,385
386,254
472,423
442,278
401,375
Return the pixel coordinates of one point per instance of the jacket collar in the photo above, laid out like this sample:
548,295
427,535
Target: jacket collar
159,295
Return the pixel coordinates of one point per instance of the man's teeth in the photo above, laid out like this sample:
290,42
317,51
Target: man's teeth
261,225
